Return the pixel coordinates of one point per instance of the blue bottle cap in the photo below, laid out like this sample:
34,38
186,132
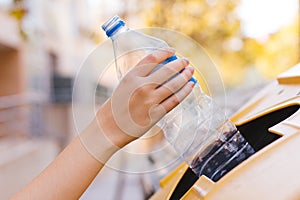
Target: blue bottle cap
112,25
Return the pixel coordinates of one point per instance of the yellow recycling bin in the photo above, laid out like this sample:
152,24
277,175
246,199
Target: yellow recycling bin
270,122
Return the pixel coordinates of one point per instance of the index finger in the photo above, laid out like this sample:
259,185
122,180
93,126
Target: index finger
148,63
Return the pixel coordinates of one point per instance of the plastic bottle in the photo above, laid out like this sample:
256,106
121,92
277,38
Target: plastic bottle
197,129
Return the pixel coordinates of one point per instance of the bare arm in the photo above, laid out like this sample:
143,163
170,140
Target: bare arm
147,99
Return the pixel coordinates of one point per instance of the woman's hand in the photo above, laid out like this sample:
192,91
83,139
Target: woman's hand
142,98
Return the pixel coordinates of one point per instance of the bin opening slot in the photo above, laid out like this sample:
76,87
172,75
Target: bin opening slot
256,131
257,135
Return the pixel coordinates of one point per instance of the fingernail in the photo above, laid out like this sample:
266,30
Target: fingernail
186,60
190,69
191,84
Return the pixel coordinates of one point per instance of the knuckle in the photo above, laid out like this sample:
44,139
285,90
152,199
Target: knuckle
175,100
166,92
141,91
176,85
144,91
171,69
165,71
186,75
151,58
147,104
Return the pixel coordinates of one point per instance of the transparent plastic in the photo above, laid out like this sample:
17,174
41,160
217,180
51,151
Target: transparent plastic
197,129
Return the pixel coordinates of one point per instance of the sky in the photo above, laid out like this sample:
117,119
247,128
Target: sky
263,17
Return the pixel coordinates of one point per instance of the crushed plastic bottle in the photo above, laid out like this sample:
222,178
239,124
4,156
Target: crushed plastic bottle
197,129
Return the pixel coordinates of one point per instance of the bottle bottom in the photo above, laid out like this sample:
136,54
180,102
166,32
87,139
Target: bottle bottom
222,155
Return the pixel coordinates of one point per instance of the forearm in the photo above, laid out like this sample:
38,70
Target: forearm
67,177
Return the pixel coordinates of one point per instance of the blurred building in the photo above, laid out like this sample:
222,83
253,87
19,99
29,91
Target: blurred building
42,44
58,41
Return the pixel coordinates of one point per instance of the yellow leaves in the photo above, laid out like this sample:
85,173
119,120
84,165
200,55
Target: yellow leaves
18,13
216,26
280,52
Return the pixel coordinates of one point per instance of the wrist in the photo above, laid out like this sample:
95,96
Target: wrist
102,138
96,143
97,137
106,120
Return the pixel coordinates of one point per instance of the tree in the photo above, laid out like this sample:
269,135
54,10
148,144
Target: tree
216,26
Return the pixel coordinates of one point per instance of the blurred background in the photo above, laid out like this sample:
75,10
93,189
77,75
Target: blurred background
43,43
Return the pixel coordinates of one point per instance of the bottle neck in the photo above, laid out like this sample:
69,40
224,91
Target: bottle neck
117,32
